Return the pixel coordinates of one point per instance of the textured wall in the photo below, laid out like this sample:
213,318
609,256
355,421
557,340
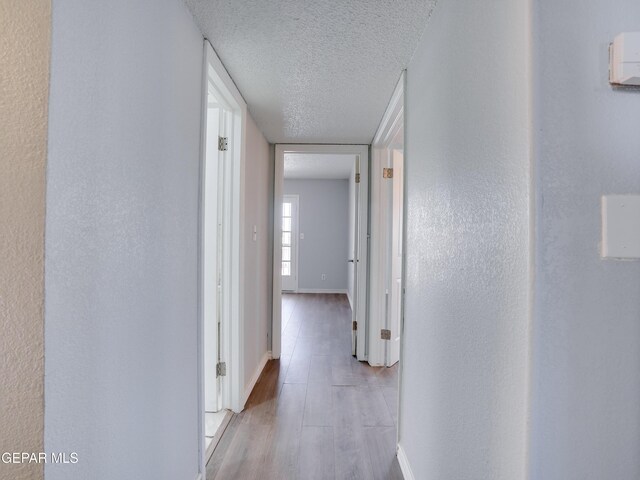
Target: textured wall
465,369
122,240
25,27
324,220
257,254
586,386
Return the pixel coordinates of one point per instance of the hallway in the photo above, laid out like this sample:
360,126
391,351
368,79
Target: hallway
316,413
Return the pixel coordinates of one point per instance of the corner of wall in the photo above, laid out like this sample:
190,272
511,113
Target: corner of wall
25,28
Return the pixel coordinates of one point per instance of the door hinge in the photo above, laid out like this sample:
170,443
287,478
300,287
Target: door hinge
385,334
355,325
387,173
223,144
357,178
221,369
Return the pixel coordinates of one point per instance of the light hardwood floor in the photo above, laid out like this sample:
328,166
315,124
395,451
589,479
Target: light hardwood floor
316,413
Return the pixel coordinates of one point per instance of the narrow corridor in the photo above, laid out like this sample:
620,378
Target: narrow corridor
316,413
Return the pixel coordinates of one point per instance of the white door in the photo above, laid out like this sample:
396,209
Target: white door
354,261
386,289
218,120
290,243
395,312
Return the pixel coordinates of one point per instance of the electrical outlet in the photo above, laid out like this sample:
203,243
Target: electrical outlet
323,276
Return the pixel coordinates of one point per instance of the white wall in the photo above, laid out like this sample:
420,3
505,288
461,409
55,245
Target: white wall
324,220
586,347
25,29
465,371
258,201
121,266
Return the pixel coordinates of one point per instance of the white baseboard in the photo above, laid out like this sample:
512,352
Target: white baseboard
271,357
404,464
256,376
322,290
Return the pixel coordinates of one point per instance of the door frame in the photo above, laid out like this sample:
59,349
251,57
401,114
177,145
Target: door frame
231,299
380,302
295,233
211,244
363,241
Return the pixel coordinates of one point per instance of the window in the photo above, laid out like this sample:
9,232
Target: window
286,238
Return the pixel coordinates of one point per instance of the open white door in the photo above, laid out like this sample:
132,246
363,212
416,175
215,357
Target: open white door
387,196
221,384
358,261
354,259
217,120
395,313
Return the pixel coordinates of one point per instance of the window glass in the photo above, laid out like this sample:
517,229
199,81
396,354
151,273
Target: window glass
286,269
286,239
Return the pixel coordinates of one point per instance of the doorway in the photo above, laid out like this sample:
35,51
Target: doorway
223,114
219,123
336,262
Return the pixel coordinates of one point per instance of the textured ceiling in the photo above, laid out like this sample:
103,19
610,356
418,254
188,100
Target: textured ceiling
318,166
314,71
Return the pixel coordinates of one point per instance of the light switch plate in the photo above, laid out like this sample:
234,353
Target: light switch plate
621,226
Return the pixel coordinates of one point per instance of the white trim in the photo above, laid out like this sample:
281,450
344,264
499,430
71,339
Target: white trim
404,262
362,153
322,290
392,115
350,299
407,473
226,86
200,328
256,375
379,296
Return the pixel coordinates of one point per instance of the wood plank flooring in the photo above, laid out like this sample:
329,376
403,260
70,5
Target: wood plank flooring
316,413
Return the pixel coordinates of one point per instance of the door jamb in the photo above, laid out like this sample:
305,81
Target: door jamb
278,190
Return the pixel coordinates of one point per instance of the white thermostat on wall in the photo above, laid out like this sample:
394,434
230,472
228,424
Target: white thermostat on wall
624,58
